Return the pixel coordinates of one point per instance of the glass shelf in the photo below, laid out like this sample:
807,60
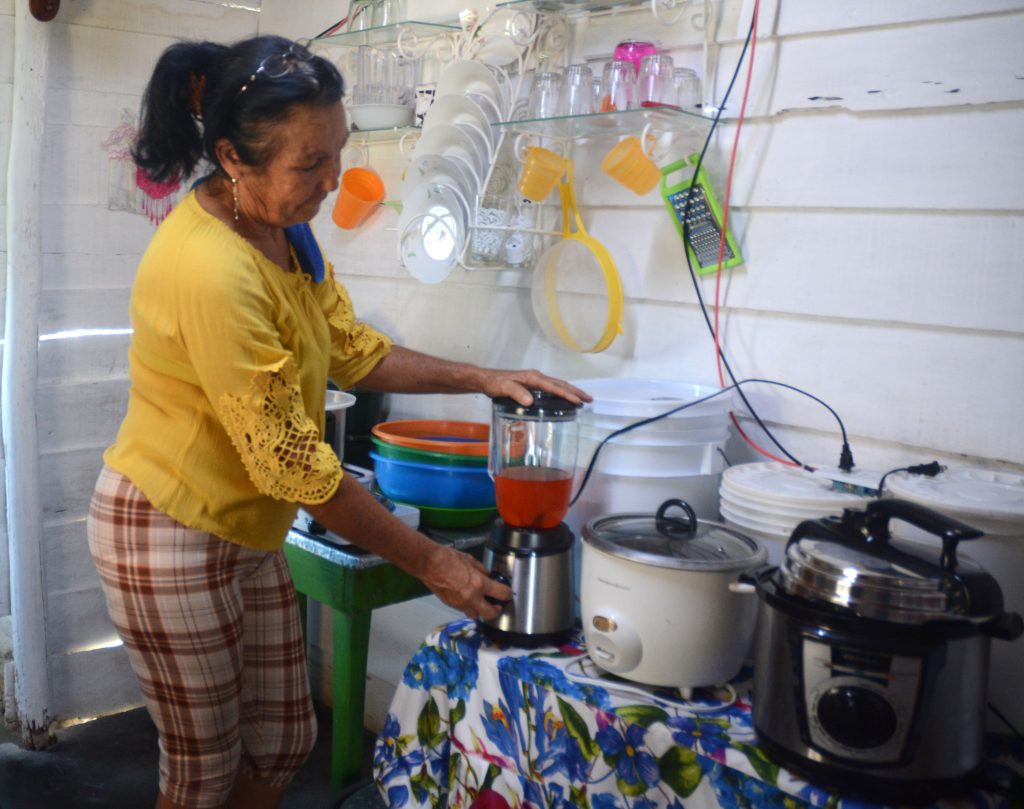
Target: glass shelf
388,34
624,122
391,135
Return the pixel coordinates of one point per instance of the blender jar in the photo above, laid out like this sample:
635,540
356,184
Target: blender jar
533,459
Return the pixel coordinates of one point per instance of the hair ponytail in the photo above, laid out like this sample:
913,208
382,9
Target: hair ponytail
170,140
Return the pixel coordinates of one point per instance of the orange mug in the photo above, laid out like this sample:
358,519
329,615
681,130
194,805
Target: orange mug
360,192
542,169
630,164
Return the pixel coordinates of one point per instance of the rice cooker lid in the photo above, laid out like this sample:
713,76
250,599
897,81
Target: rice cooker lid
679,540
908,588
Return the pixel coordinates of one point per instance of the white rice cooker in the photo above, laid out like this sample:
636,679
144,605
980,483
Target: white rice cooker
661,599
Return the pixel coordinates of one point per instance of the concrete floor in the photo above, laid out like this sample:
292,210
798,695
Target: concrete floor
112,763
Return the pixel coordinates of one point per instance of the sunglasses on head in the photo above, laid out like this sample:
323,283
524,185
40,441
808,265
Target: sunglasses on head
281,64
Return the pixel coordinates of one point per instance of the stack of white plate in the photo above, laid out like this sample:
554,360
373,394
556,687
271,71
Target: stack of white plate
992,502
450,163
674,457
768,500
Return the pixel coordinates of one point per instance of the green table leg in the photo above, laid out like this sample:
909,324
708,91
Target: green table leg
351,639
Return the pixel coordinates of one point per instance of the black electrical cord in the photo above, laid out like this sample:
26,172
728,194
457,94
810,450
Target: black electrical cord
1005,721
737,386
846,456
929,469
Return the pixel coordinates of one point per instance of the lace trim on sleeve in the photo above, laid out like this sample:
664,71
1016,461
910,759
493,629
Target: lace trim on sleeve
279,444
361,339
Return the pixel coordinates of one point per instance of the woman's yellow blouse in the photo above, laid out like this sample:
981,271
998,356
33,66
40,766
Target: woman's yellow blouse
229,362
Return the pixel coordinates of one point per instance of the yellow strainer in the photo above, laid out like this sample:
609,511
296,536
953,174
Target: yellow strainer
576,291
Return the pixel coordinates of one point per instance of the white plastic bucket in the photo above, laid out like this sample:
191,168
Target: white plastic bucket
651,460
683,421
619,396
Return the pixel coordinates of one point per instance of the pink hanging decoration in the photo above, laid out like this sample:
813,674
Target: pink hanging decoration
157,198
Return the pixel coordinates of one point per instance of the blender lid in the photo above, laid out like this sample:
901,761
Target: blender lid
669,541
905,588
545,406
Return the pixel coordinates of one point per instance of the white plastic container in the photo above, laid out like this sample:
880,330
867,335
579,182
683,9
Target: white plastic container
769,500
621,396
633,458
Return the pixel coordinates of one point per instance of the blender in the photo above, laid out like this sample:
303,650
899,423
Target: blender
532,460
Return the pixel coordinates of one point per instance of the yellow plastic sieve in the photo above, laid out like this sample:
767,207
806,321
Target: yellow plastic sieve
576,290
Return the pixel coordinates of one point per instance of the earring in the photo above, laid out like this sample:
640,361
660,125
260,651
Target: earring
234,194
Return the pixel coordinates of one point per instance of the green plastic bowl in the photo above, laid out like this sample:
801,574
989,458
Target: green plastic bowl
454,517
399,453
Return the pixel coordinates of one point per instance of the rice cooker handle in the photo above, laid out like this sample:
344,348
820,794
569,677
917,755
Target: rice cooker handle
672,525
950,531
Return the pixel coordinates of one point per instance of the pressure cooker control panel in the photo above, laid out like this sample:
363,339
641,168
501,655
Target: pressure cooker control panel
860,703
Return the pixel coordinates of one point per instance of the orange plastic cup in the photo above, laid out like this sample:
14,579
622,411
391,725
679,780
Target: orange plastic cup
628,163
542,169
361,191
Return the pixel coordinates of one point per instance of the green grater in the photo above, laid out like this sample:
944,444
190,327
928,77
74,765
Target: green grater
703,219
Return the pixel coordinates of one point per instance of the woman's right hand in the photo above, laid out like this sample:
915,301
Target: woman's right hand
462,582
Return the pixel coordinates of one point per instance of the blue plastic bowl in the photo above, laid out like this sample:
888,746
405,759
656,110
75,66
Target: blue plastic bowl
423,484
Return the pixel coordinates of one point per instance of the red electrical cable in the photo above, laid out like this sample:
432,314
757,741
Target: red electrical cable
721,243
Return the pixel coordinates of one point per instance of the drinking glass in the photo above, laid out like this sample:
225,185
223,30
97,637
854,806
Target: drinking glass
578,90
688,90
546,96
618,84
656,82
366,75
360,15
634,51
388,12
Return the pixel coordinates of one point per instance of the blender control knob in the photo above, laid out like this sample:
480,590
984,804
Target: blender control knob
501,578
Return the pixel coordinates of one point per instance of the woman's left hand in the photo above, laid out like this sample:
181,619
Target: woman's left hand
518,384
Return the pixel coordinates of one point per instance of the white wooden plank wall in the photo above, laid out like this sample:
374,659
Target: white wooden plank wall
103,54
877,198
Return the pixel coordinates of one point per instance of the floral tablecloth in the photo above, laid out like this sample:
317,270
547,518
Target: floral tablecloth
474,725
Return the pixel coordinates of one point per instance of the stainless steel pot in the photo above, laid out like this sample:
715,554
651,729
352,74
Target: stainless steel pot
872,657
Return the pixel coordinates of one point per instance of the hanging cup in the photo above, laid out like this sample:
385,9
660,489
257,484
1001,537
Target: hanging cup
629,163
361,191
542,169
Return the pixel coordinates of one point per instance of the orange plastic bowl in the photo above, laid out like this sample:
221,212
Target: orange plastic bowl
449,437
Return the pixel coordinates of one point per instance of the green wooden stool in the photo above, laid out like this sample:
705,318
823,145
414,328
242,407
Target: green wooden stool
353,583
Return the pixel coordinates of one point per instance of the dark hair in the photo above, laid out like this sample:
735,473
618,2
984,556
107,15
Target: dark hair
194,98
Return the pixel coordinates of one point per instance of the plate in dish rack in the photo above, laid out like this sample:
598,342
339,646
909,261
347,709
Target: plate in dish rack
432,232
433,168
462,78
450,141
459,109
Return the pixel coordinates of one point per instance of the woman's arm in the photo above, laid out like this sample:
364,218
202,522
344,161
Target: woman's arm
458,579
407,371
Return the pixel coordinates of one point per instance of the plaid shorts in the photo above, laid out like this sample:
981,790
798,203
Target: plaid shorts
213,634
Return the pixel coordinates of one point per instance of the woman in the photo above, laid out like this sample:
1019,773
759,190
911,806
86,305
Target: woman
238,324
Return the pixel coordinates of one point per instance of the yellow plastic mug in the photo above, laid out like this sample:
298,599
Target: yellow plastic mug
628,163
361,191
542,169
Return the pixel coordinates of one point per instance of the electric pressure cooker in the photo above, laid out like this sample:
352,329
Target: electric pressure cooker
872,656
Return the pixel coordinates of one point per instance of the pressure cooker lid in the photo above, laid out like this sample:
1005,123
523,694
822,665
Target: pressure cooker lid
674,538
903,587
